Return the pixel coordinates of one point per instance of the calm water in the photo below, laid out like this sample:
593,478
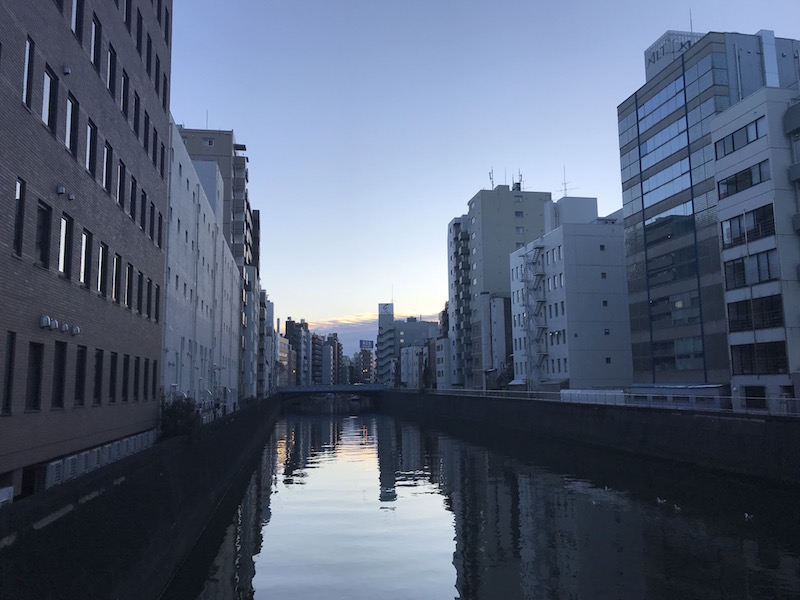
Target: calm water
371,507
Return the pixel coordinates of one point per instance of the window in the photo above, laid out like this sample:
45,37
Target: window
608,360
49,99
43,216
126,13
71,131
59,374
744,180
140,293
149,297
111,70
605,302
126,365
146,137
767,358
91,147
136,379
158,11
139,32
121,184
76,19
102,279
160,229
208,142
80,376
33,395
752,225
143,210
112,378
8,378
19,216
146,383
97,396
152,221
155,147
136,108
86,258
161,168
157,76
27,75
603,275
95,41
741,137
108,157
602,247
148,61
518,214
606,331
125,93
753,269
164,85
65,247
166,26
129,286
134,192
519,230
116,279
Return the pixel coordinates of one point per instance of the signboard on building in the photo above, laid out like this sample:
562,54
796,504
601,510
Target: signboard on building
367,344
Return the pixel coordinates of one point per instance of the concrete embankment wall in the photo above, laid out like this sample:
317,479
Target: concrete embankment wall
123,531
760,446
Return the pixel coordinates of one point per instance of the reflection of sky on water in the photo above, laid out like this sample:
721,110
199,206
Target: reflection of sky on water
363,507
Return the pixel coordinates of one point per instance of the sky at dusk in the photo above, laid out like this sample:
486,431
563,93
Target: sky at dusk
369,124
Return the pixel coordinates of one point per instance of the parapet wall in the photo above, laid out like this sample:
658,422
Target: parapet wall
761,446
122,531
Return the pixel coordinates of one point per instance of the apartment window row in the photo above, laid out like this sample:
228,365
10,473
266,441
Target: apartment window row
553,309
555,363
755,313
743,180
556,338
751,226
101,372
752,269
112,274
49,116
741,137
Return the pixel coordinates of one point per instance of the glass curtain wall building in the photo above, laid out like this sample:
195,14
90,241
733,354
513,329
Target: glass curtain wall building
668,172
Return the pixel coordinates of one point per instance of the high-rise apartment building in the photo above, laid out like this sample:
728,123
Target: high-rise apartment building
241,230
84,107
675,186
498,222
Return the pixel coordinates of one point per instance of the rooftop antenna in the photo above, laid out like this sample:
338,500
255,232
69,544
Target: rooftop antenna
505,176
691,26
206,118
520,178
564,188
491,178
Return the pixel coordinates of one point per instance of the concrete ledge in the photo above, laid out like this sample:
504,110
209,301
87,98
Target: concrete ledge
758,446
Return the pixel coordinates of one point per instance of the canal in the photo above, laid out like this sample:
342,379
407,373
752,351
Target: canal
370,506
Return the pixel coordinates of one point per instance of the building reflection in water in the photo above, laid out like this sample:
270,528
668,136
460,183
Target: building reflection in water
520,530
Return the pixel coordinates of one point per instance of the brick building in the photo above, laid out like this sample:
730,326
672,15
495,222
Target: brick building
84,102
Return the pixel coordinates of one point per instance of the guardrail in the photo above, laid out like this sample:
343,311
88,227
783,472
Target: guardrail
778,406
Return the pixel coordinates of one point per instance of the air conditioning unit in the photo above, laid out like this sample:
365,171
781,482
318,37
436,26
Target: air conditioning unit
54,474
95,458
70,467
6,495
83,463
114,451
105,454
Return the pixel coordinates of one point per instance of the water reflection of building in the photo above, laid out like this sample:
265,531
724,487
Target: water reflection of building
232,572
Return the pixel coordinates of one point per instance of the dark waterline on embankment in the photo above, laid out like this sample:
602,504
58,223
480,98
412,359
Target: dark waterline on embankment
536,519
